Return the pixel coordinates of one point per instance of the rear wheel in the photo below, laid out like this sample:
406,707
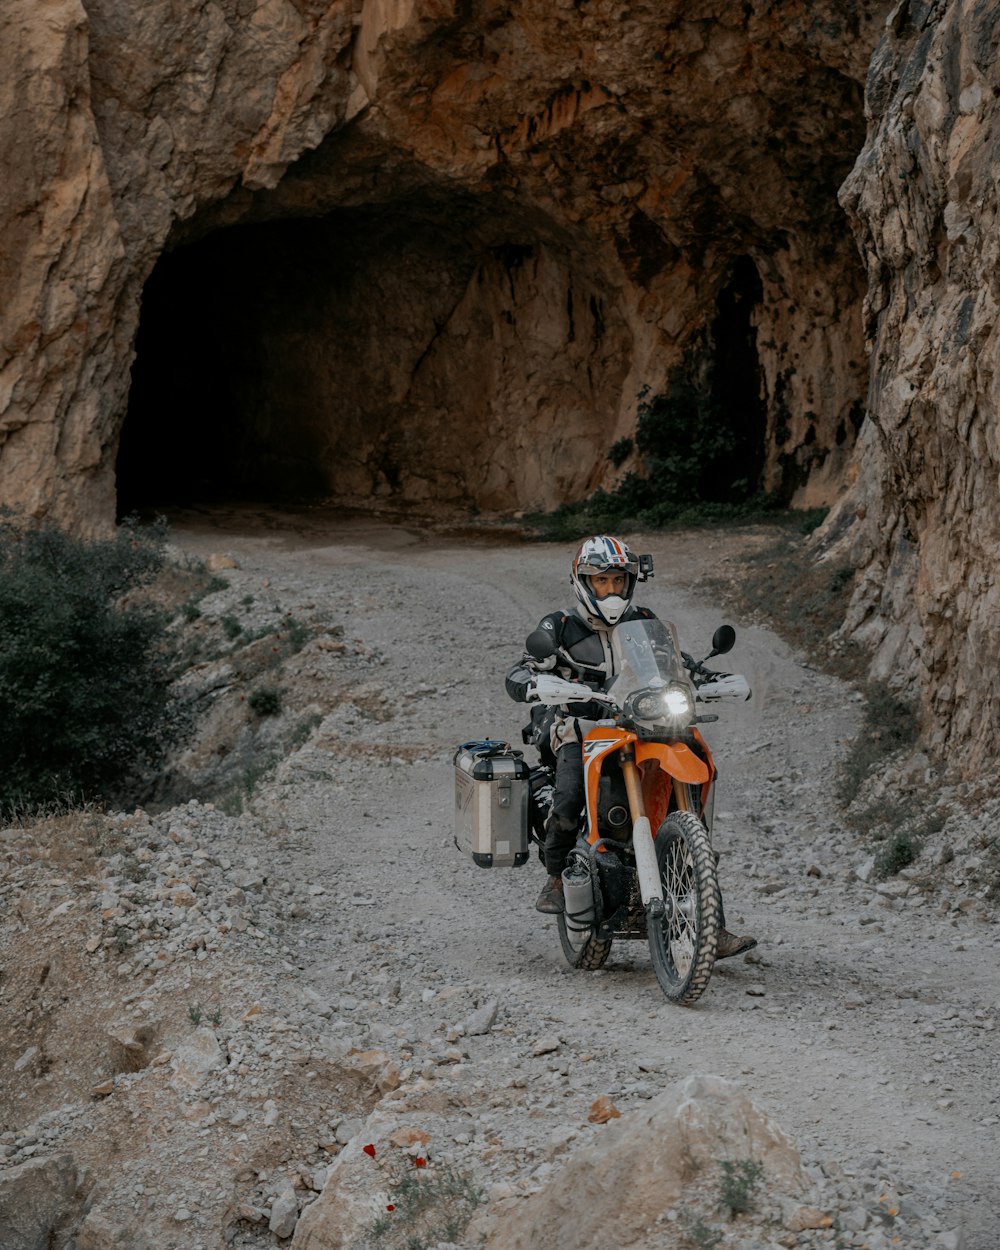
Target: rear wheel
582,951
581,948
683,942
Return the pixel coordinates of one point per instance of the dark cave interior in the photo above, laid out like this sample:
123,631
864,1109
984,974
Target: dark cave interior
273,360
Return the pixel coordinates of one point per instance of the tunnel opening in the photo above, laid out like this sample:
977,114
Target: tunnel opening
737,390
238,334
371,357
194,430
702,439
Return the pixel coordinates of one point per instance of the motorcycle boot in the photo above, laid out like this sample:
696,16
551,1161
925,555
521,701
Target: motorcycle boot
550,901
731,944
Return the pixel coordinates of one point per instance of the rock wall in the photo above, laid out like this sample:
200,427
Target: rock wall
923,519
119,120
630,157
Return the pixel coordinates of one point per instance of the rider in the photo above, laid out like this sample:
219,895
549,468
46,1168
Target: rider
604,576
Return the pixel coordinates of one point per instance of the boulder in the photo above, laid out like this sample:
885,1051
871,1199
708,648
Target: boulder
38,1204
195,1058
639,1166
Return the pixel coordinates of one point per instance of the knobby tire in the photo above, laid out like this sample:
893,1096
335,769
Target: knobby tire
589,956
684,943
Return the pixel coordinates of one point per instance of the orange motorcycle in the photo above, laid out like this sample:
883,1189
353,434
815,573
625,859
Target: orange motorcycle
643,865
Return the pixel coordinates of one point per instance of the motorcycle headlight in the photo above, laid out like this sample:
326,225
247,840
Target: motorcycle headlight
672,703
678,702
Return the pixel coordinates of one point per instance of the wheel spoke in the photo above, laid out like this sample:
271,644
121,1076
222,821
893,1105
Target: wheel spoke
680,924
683,942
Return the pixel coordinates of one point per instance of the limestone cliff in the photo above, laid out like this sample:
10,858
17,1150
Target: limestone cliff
926,506
420,251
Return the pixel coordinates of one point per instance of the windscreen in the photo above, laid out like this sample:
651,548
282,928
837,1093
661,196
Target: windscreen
645,653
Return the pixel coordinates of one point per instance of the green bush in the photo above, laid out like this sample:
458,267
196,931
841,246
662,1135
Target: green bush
738,1180
265,701
697,470
899,851
426,1209
85,665
620,451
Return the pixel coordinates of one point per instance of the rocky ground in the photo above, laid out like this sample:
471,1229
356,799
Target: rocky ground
211,1009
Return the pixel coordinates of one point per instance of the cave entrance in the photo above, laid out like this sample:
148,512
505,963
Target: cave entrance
231,396
431,356
737,389
194,430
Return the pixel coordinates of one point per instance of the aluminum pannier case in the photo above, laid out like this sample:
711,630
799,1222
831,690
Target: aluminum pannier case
491,803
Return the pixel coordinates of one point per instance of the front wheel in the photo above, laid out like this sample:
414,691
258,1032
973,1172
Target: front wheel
683,941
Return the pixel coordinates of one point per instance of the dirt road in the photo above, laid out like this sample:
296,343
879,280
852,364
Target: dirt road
865,1022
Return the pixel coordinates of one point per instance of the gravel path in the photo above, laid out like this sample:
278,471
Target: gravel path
204,1008
865,1021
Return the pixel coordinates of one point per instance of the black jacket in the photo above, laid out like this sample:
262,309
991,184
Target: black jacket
572,634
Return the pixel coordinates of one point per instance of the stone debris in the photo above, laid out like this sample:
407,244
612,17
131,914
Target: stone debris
227,1071
195,1059
284,1213
482,1019
246,1027
602,1110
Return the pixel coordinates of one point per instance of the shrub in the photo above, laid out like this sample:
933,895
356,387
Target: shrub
265,701
699,461
426,1208
900,851
737,1181
620,451
890,725
701,1236
85,665
296,634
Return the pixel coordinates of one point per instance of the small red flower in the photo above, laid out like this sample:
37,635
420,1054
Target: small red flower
369,1150
419,1162
390,1206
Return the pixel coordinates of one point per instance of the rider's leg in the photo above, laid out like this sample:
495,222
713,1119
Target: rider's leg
563,823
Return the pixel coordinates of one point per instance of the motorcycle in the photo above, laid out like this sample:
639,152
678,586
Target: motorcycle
643,865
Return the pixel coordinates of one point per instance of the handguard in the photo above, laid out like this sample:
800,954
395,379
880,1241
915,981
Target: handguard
725,686
549,689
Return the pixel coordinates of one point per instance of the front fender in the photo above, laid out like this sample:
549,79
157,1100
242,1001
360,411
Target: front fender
676,759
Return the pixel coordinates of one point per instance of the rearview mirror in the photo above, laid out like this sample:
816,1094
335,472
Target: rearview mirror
723,640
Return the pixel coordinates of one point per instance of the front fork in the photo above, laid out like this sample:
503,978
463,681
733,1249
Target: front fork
647,869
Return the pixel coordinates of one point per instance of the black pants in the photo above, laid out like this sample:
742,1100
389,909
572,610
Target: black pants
563,824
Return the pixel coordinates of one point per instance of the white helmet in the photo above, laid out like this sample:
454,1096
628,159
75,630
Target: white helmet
603,554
